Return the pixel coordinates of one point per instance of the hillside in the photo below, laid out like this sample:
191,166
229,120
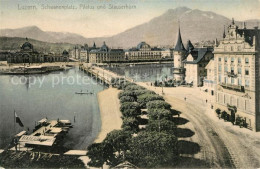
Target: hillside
14,43
196,25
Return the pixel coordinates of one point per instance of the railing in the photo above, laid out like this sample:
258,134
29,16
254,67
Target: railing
231,74
233,87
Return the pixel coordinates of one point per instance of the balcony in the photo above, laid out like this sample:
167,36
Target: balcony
231,74
233,87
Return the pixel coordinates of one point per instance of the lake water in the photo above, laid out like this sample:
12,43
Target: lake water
53,96
145,73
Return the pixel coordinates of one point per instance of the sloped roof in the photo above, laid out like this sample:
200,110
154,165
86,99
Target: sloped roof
179,45
189,46
198,54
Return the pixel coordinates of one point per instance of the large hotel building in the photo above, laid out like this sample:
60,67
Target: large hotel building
237,62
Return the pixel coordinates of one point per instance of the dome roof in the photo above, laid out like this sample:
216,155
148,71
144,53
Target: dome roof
27,46
142,44
104,47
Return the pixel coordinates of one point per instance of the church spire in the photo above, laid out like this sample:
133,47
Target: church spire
224,33
179,45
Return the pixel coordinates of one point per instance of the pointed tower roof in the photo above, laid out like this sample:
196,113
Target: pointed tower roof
190,46
94,45
179,45
224,33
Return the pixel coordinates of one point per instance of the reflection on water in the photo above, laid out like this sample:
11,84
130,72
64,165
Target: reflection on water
53,96
145,73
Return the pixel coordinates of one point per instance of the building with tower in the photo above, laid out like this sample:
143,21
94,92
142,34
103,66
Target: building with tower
143,52
237,77
28,54
104,54
179,54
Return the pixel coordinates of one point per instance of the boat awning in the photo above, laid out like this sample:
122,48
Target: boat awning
55,130
37,140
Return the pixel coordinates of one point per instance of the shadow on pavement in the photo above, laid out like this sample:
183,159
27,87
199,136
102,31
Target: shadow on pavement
180,120
175,112
189,162
187,147
184,132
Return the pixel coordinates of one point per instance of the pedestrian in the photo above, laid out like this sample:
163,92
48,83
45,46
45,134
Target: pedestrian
206,101
185,98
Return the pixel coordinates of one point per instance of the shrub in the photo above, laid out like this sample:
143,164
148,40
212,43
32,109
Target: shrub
158,104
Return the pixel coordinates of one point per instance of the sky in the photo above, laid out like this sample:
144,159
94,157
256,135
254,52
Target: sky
99,22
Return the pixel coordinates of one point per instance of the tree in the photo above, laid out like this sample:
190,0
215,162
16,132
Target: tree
147,97
154,150
97,154
119,141
124,99
162,125
158,114
126,93
158,104
130,124
130,109
134,87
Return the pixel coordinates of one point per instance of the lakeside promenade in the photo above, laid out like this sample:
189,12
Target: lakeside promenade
109,106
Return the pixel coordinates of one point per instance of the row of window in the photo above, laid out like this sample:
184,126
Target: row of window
239,60
238,102
232,70
232,48
231,80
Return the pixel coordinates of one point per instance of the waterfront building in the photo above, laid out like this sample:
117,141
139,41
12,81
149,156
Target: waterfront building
143,52
237,62
104,54
27,54
5,54
167,53
209,81
195,64
179,54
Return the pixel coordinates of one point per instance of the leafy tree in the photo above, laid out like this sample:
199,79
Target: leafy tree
130,124
99,153
158,104
154,150
119,141
124,99
126,93
130,109
134,87
162,125
158,114
147,97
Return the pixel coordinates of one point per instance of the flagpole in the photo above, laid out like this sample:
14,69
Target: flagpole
14,121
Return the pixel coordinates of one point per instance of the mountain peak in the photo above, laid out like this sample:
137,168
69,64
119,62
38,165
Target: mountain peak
178,10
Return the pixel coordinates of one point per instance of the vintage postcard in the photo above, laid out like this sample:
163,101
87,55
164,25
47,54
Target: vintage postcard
130,84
